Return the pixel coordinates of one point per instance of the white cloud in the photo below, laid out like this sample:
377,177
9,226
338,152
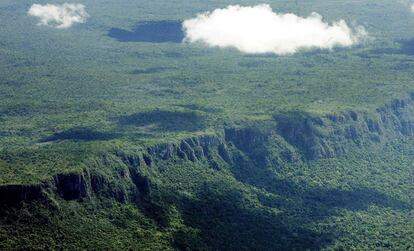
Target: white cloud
412,7
59,16
257,29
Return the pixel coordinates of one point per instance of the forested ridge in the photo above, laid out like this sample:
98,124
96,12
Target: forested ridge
117,132
301,182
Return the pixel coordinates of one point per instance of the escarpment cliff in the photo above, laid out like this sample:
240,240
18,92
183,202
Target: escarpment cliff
290,137
331,135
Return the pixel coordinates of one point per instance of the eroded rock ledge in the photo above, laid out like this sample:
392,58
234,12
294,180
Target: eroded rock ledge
290,137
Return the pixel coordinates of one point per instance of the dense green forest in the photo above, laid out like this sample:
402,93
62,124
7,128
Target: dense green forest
112,142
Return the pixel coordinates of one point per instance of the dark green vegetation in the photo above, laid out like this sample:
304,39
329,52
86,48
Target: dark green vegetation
155,146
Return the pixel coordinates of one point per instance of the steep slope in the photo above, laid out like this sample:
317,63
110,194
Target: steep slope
299,181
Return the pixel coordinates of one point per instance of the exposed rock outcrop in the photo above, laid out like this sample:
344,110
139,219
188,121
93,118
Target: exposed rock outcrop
12,195
71,186
332,135
290,137
192,149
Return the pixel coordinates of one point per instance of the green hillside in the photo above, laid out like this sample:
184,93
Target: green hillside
109,144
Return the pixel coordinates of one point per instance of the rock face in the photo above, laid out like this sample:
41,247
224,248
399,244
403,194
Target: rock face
398,115
251,141
12,195
333,134
192,149
71,186
290,137
141,182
